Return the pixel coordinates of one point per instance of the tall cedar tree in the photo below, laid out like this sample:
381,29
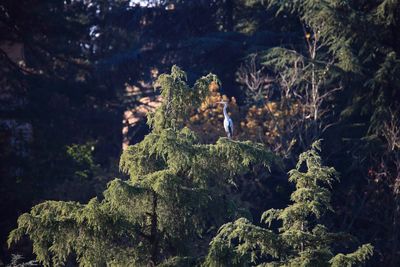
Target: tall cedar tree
176,192
302,240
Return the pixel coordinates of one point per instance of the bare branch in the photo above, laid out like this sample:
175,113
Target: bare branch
254,79
391,131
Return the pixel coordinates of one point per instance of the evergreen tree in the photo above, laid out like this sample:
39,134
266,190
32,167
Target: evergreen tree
309,70
363,39
177,191
302,239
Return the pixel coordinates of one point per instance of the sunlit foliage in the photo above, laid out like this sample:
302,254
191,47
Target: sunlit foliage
176,193
301,239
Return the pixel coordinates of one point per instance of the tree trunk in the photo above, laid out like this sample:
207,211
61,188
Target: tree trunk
154,239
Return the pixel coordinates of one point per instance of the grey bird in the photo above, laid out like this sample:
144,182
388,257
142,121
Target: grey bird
228,124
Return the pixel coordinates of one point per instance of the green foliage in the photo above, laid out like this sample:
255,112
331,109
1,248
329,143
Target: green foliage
176,193
82,157
358,257
327,20
309,71
80,54
240,243
387,12
18,261
179,98
179,262
302,240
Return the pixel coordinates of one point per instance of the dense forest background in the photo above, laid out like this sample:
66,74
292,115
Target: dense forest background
76,83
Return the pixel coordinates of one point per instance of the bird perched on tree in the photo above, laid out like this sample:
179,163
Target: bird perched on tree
228,124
